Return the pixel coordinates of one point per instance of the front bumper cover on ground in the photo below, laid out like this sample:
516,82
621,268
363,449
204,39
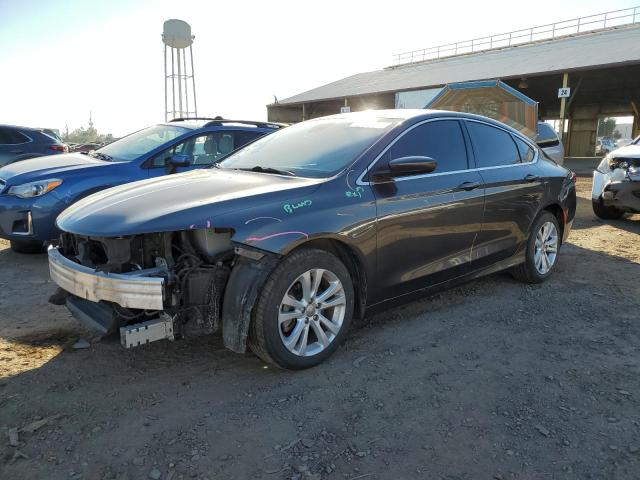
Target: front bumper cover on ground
128,291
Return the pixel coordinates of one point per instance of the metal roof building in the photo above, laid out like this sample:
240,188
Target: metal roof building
600,56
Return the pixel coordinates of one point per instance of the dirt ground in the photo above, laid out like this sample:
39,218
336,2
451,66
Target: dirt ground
492,380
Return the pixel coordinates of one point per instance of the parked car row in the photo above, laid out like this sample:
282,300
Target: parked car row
280,244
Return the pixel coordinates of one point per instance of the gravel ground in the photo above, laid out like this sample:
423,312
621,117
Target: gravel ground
492,380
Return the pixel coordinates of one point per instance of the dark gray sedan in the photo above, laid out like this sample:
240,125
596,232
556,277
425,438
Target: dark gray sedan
289,238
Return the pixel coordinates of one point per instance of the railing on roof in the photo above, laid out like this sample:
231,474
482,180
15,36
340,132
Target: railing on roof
591,23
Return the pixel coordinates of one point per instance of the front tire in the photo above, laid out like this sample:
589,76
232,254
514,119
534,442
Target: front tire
543,247
26,246
304,310
606,213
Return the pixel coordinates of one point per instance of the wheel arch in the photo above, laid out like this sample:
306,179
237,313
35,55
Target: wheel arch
556,210
351,259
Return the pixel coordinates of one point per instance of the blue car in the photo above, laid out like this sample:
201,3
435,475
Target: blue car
34,192
22,143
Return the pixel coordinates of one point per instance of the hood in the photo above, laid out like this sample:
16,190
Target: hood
51,166
628,151
178,202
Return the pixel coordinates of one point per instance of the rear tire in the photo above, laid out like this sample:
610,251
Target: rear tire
606,213
293,325
26,246
543,248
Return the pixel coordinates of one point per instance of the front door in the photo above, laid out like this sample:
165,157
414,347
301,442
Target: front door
427,223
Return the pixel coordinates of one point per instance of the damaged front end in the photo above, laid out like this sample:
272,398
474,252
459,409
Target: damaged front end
616,183
158,286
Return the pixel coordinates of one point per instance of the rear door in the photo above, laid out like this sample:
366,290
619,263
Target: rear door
427,223
513,191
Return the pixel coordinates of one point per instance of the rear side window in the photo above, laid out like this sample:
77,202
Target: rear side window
493,147
441,140
526,152
242,138
9,136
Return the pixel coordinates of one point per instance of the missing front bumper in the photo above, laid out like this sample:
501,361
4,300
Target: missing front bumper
129,291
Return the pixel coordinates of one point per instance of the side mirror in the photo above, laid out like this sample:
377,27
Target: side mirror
406,166
179,160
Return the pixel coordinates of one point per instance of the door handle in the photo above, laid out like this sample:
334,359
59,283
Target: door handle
531,178
17,151
468,186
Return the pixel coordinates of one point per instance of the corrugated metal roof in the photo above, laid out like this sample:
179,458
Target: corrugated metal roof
609,47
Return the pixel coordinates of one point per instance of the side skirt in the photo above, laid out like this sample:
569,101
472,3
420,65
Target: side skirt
432,289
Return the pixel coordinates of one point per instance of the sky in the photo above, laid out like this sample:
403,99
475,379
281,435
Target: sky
61,59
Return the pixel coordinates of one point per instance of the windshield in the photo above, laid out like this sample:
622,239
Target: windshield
141,142
315,148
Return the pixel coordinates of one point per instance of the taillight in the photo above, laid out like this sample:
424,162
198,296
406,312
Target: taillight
573,176
59,148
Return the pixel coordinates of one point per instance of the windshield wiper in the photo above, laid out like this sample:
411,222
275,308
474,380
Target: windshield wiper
260,169
101,156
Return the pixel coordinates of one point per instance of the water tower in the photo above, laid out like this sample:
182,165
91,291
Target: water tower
179,81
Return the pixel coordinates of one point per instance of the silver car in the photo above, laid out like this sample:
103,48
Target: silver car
616,183
548,140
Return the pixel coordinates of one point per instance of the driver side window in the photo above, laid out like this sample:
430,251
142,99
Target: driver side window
440,140
181,148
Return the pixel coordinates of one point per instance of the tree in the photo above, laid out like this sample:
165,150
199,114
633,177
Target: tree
87,135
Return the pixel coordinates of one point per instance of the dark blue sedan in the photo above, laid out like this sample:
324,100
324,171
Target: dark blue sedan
34,192
22,143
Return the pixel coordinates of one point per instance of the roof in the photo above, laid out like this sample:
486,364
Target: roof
617,46
202,122
369,117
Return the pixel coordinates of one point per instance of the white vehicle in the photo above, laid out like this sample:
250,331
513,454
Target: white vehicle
623,142
548,140
616,183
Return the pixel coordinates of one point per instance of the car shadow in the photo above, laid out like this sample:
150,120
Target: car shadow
585,218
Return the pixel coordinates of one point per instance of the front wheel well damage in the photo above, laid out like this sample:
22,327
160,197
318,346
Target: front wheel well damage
249,275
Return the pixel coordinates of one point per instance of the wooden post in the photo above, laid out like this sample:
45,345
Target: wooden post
635,127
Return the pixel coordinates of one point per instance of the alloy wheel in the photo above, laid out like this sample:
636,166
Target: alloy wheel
546,248
311,312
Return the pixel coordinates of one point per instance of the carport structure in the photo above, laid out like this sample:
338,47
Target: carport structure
597,57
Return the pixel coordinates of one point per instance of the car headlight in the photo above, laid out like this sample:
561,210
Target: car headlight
34,189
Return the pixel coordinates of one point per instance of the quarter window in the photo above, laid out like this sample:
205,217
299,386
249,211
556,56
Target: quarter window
441,140
526,152
493,147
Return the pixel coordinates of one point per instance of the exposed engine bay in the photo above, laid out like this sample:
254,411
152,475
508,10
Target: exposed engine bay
194,266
